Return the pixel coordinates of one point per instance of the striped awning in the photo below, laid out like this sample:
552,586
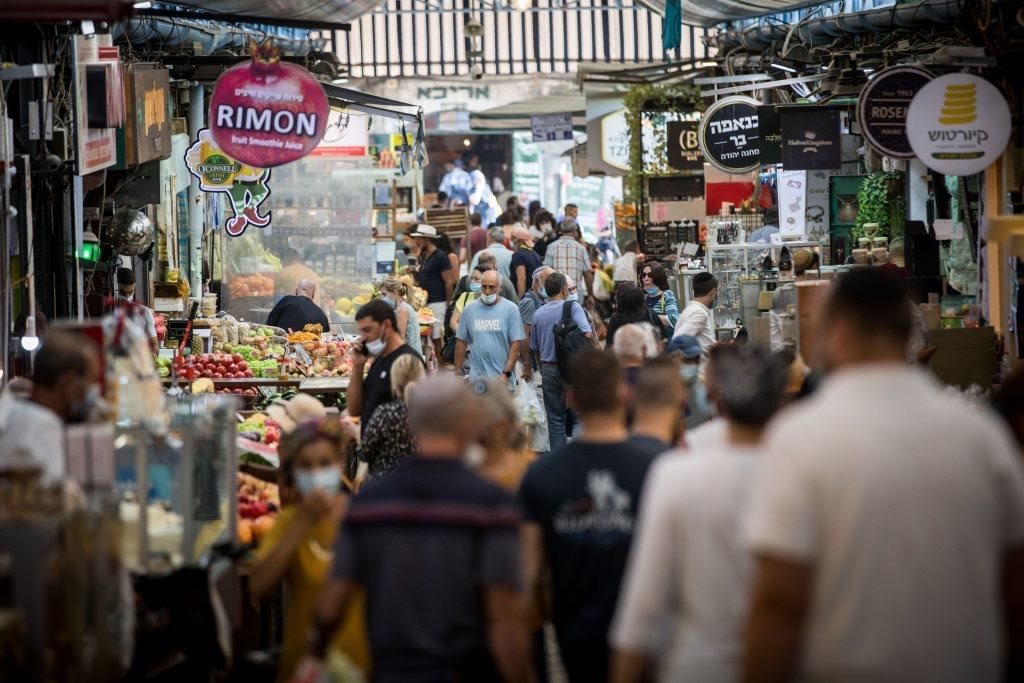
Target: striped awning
516,116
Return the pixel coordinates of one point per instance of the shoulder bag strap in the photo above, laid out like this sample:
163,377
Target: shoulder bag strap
567,311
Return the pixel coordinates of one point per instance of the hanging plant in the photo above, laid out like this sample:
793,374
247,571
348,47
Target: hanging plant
881,200
647,97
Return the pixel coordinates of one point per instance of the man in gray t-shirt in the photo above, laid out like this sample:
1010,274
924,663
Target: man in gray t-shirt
493,329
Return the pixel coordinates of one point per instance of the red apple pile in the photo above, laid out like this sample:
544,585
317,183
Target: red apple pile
212,365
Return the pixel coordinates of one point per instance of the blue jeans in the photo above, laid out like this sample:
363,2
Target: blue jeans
554,406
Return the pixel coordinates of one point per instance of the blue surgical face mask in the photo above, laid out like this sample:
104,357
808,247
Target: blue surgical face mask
474,286
573,297
391,301
327,479
653,290
543,293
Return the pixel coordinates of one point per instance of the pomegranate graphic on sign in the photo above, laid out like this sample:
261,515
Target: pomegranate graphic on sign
267,112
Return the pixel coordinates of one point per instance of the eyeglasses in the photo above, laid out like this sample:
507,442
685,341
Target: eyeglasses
647,275
489,288
573,290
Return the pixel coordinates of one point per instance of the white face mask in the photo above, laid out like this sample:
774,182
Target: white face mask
489,299
375,347
327,479
126,299
689,373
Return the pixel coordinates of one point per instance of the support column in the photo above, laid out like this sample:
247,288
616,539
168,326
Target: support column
196,201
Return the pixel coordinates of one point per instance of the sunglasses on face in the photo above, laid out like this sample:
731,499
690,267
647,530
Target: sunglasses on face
647,275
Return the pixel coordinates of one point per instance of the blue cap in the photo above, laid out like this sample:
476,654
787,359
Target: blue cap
686,345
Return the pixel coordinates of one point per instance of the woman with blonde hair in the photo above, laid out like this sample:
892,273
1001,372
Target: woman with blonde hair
394,293
387,440
504,454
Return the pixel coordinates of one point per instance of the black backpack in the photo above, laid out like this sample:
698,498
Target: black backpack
569,340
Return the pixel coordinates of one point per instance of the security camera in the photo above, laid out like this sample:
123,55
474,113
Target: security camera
473,28
476,71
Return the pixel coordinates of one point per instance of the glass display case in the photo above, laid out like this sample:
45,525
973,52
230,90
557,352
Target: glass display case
177,488
324,211
742,276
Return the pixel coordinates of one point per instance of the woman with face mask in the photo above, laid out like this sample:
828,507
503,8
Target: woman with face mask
298,549
387,440
467,297
660,298
543,232
394,292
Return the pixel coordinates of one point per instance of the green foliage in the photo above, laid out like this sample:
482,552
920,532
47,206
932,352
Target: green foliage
653,98
882,200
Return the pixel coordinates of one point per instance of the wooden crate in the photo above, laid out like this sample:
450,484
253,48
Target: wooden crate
453,222
965,356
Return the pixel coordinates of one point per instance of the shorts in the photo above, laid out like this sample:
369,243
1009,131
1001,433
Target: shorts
439,308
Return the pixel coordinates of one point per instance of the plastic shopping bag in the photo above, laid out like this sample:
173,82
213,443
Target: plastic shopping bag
531,409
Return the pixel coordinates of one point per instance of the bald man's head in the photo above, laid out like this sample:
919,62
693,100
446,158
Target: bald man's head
306,288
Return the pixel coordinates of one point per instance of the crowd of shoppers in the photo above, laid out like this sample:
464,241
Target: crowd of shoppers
779,540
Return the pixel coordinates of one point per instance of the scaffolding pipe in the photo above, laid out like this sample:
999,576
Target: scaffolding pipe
824,30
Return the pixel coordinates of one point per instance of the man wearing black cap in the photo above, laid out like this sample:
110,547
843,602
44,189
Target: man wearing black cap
697,319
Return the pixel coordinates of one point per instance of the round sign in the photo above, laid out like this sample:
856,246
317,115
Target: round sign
267,112
729,134
958,124
882,108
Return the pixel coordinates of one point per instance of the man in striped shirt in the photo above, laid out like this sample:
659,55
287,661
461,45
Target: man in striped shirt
569,257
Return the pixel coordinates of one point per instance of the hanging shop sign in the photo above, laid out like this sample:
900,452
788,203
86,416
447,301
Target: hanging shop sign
548,127
267,112
958,124
245,186
615,140
684,146
792,203
770,135
99,102
810,140
882,108
729,135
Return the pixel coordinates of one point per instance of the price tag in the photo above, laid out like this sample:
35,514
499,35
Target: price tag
690,249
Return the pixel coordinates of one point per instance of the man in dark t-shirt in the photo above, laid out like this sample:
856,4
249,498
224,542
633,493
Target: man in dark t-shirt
381,342
436,549
580,505
524,261
296,312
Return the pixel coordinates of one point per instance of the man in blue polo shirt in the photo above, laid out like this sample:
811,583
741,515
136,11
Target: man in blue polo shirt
542,342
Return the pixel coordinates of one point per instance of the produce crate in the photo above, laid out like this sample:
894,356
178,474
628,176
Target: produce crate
453,222
965,356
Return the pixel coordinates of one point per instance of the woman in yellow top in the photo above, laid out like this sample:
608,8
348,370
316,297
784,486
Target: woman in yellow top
300,546
468,296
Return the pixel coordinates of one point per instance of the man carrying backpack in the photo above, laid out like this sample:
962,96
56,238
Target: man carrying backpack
560,331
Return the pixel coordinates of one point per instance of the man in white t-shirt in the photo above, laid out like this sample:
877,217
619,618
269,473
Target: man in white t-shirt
65,373
697,319
688,566
888,520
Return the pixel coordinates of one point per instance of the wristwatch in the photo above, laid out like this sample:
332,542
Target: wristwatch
508,374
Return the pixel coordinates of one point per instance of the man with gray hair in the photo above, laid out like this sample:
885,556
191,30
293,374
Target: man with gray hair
436,549
502,254
508,290
568,256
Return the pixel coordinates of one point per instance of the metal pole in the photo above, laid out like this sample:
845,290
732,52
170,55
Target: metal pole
5,218
196,203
